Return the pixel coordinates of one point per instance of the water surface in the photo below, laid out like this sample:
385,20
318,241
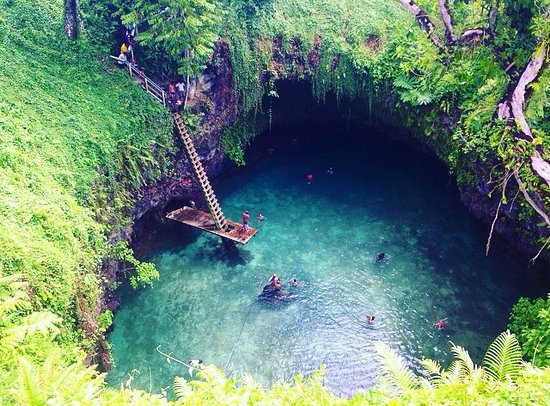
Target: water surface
380,197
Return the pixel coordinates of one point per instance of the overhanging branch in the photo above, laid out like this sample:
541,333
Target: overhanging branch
423,21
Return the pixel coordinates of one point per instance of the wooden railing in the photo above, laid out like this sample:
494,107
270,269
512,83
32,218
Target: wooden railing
150,87
158,93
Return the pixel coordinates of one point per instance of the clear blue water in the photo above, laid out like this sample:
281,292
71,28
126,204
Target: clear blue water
381,197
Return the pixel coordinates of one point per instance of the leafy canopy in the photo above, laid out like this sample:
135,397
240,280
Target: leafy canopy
184,29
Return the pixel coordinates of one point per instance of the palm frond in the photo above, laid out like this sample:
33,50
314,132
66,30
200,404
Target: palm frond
394,370
503,357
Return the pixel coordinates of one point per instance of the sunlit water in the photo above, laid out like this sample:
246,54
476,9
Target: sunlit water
381,197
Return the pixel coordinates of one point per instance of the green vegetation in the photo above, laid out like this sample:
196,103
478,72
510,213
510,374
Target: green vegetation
530,322
79,140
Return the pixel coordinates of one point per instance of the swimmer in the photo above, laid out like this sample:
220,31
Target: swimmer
309,178
261,217
196,363
330,171
441,323
370,318
380,256
294,282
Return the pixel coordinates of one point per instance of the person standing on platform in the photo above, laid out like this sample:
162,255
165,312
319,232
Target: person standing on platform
245,217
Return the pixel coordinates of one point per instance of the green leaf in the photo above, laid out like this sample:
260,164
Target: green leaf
503,357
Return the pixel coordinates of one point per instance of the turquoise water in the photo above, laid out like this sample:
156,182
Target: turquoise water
381,197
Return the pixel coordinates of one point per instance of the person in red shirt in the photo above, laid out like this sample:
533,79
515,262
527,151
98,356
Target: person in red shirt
441,323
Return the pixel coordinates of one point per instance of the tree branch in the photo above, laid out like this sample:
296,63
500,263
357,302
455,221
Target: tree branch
473,35
511,108
532,260
507,177
447,21
423,21
530,73
530,200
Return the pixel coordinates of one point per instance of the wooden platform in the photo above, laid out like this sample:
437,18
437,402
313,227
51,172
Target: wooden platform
204,221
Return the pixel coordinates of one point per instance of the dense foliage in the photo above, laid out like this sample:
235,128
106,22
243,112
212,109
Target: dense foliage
79,139
530,322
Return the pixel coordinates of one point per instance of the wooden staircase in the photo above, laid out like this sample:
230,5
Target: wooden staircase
207,191
216,224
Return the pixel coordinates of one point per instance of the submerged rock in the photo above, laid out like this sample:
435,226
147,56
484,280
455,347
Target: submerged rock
270,293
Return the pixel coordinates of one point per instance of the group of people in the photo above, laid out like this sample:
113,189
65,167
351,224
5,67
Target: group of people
245,216
440,324
176,95
126,54
309,176
127,47
276,282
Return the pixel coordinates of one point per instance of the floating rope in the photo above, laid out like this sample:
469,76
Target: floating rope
241,331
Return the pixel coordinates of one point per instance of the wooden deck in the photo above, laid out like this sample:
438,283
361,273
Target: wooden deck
204,221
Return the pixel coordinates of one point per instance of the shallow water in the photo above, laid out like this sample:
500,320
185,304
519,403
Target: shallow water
381,197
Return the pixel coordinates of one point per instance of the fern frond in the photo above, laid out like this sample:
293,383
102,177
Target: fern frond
182,388
432,370
42,322
394,370
8,280
503,357
9,344
463,357
28,390
77,384
18,301
453,374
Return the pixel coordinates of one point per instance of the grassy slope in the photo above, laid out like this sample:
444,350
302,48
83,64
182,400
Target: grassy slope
74,137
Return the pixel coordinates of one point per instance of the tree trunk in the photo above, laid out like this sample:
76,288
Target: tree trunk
71,19
423,20
447,21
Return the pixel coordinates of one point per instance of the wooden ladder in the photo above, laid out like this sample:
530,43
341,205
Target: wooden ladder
207,191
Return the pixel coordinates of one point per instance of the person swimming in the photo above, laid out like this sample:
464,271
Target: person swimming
380,256
275,281
294,282
370,318
441,323
196,363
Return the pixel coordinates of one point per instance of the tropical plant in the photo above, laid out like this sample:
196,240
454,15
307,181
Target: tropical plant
145,272
53,383
17,320
502,363
530,321
184,29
